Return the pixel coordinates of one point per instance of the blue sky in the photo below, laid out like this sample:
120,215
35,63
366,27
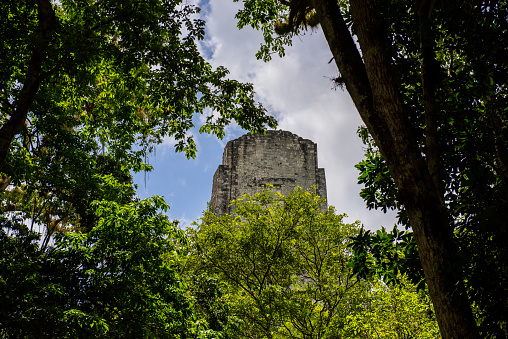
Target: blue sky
297,90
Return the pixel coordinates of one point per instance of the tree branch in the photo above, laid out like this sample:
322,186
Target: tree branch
346,55
429,78
46,17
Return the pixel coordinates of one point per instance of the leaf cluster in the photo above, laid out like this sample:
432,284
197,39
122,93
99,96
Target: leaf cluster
118,280
388,256
398,311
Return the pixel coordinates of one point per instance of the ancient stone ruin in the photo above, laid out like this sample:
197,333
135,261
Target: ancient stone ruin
279,158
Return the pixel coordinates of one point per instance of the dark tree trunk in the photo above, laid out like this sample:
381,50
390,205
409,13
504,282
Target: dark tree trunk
34,76
430,78
373,89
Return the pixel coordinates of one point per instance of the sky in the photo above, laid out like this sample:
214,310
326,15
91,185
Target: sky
297,90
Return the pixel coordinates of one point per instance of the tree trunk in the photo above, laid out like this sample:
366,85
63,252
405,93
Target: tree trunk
46,17
373,89
429,75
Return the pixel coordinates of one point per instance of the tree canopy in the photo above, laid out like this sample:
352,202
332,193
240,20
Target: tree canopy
88,88
429,81
282,266
119,280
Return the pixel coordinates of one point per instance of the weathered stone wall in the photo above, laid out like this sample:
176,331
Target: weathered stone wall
279,158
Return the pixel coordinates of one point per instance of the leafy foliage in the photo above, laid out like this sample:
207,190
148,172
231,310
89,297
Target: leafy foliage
282,264
212,305
118,280
389,256
393,312
261,15
109,81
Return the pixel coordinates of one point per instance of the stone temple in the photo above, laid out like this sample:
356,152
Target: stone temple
279,158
